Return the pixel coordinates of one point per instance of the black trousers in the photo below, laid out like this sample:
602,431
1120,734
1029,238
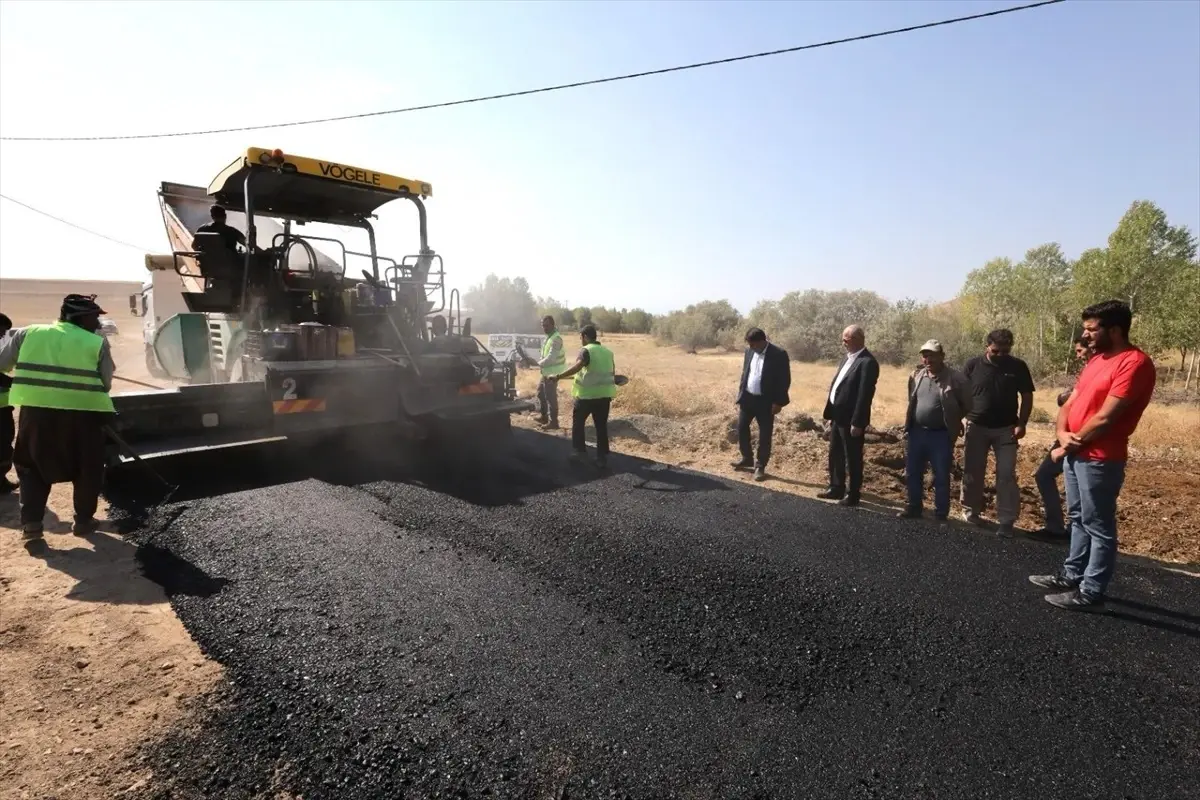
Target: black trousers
756,408
55,446
845,461
548,399
598,409
8,430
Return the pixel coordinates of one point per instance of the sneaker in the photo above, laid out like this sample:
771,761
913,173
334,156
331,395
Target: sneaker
84,527
745,463
7,486
972,518
830,494
1076,600
910,513
31,532
1005,531
760,474
1056,581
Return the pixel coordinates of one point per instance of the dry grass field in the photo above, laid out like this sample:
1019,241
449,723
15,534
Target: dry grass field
678,408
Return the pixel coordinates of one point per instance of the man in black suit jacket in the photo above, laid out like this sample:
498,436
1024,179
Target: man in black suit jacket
848,409
762,393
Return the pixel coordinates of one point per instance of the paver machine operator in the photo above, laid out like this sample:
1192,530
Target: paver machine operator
280,342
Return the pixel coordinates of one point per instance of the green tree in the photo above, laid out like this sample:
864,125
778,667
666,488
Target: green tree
608,320
502,305
1143,252
636,321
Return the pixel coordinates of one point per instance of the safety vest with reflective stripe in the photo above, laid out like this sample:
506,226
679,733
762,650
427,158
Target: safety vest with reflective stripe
58,366
559,362
598,378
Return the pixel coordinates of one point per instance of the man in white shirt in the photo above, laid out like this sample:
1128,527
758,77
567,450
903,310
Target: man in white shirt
848,409
762,394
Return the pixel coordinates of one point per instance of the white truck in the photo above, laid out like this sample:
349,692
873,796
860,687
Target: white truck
160,299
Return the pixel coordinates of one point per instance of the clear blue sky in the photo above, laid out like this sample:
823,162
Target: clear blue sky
896,165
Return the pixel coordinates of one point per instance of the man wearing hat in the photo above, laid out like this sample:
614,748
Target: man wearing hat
61,376
939,397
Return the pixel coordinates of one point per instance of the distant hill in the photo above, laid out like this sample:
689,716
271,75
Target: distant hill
27,300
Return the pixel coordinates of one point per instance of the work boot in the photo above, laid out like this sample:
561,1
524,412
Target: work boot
7,486
1005,530
909,513
745,463
31,531
85,527
760,474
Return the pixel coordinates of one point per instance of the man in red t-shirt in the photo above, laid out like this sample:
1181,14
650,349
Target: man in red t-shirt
1094,427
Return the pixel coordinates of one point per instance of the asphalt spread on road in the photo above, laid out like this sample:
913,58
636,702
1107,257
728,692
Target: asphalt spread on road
515,627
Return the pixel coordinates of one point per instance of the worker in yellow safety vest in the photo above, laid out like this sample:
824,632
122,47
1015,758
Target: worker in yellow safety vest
61,376
595,386
7,425
553,361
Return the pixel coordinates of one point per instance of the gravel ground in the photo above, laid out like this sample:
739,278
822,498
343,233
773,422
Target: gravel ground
542,632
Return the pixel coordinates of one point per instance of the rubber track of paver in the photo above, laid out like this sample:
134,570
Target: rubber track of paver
528,632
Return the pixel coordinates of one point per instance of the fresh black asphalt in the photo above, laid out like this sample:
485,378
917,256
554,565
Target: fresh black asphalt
528,629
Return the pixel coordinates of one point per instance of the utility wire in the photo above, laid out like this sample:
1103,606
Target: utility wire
543,89
72,224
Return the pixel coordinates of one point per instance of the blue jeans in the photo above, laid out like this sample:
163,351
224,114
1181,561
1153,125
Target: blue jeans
1092,489
936,449
1047,483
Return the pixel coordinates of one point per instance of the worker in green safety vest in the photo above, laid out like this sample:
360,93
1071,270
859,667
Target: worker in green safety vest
61,376
7,425
553,360
595,386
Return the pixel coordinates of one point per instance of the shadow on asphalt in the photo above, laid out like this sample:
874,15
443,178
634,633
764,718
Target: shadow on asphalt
1149,615
530,463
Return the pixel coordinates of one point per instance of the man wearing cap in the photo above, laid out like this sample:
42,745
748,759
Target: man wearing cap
61,376
7,425
939,397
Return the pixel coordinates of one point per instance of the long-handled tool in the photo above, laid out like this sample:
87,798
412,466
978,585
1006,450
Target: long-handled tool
171,488
136,383
126,450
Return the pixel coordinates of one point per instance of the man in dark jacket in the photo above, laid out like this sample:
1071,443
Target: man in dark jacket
848,410
762,394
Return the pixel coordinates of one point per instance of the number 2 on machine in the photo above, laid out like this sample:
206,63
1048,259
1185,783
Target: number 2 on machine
289,388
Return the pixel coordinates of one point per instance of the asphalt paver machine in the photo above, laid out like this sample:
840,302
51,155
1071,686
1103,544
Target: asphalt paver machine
279,342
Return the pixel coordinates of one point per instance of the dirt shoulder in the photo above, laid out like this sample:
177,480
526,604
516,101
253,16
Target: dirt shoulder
93,661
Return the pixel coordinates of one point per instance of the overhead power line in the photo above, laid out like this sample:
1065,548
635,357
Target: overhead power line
544,89
72,224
